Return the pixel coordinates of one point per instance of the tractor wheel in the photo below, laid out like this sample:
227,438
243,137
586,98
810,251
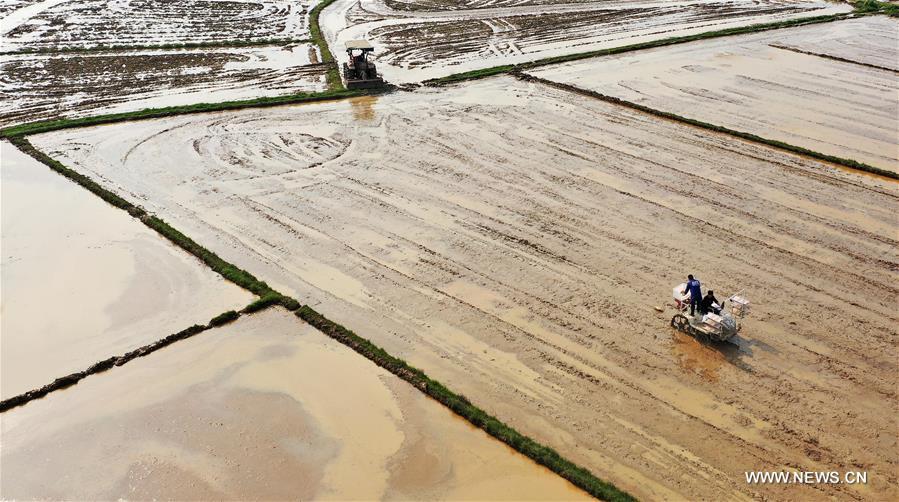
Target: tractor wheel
680,322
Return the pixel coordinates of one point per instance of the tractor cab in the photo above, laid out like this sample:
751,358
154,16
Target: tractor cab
360,72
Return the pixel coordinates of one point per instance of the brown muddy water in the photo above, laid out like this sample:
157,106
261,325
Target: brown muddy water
266,408
83,281
512,240
783,85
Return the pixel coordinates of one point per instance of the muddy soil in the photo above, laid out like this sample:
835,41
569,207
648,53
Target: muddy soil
55,24
249,411
39,86
831,88
513,240
450,5
417,45
83,281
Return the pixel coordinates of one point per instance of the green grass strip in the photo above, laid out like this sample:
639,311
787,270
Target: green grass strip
543,455
876,7
472,75
269,299
224,318
151,113
145,47
496,70
318,38
854,164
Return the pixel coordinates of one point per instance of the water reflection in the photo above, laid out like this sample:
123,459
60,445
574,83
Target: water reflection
696,358
363,108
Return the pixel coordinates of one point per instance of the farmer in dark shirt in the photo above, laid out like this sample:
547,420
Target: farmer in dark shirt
709,304
695,290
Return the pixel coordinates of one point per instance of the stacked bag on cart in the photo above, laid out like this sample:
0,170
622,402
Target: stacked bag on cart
713,321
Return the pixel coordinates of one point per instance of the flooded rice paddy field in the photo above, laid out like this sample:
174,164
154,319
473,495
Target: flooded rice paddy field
418,44
83,281
830,87
448,5
513,240
249,411
49,86
58,24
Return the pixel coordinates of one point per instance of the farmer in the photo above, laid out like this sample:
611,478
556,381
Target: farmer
710,304
695,290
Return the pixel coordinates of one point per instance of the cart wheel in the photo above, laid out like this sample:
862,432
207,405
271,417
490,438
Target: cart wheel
702,337
680,322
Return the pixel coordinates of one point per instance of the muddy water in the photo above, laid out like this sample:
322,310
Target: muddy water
83,281
762,84
437,39
513,240
266,408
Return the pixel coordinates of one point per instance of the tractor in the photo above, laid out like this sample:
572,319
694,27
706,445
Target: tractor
360,71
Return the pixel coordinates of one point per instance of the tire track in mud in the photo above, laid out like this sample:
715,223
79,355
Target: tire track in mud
382,203
447,38
737,196
849,163
746,215
749,216
484,231
404,211
717,228
521,331
545,456
427,42
744,86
